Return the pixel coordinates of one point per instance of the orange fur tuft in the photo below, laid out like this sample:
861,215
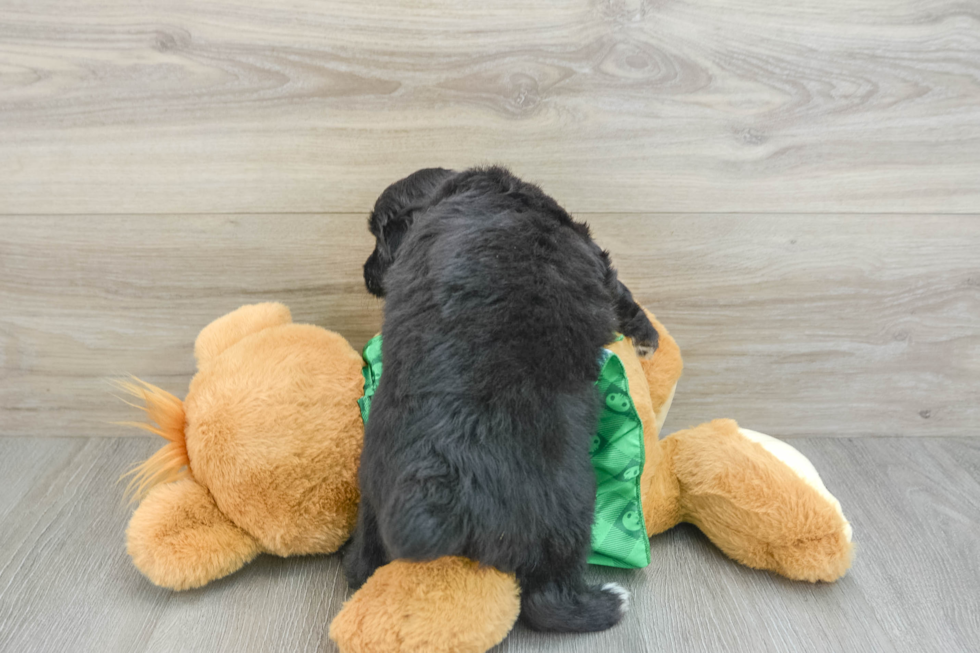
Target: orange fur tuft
166,419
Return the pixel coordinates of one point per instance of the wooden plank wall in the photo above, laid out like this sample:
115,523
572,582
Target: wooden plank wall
794,189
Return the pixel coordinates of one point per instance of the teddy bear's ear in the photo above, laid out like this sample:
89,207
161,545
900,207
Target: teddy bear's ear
229,329
179,538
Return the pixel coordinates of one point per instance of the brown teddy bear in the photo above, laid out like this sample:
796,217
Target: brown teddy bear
263,457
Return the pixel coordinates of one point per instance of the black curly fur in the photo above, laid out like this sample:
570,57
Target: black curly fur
497,305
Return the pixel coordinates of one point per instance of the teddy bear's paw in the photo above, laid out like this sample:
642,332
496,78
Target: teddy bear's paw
449,605
179,539
823,557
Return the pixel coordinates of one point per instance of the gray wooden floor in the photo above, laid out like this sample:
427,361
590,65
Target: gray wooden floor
66,583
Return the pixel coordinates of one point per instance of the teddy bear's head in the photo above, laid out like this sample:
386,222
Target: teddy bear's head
263,454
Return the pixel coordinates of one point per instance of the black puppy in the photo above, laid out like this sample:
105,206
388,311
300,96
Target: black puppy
497,306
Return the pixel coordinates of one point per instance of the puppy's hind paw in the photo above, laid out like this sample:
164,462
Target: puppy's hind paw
621,593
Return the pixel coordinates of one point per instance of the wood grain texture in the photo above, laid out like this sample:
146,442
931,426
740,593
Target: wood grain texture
88,298
804,325
793,325
67,584
171,106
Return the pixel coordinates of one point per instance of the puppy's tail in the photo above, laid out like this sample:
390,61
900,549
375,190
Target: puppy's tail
422,520
166,419
584,609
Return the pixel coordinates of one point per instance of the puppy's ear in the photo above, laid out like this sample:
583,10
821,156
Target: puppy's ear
392,217
389,234
392,231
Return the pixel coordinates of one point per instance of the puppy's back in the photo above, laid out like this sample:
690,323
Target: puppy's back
496,311
498,277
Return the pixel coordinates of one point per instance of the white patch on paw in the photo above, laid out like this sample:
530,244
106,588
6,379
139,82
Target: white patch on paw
644,351
622,593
